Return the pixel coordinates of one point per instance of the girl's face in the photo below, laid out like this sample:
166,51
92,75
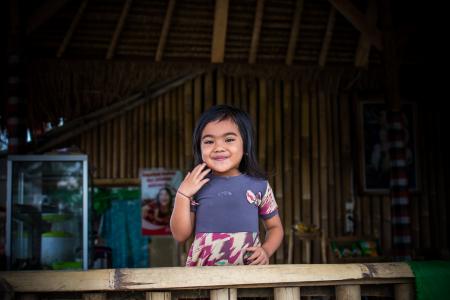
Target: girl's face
222,147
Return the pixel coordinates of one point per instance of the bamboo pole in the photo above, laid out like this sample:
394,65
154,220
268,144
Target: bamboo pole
147,135
197,98
315,165
340,211
123,142
181,137
173,126
376,216
118,31
366,215
158,296
279,192
220,88
136,143
442,197
237,92
253,103
287,147
188,124
387,226
229,90
323,161
346,155
115,147
165,30
256,31
208,90
223,294
160,132
89,151
244,95
305,154
101,142
425,206
331,195
72,28
348,292
154,133
167,131
95,150
296,157
129,144
262,123
109,147
287,293
142,136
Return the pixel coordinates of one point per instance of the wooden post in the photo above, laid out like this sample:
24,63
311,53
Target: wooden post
288,293
158,296
223,294
348,292
94,296
403,291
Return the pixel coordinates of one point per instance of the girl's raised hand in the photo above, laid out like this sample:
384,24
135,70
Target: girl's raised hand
194,181
258,257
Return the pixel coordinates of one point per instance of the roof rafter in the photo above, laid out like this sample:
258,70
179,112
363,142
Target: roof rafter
47,10
256,31
118,31
363,50
294,32
219,31
72,28
327,38
165,30
354,16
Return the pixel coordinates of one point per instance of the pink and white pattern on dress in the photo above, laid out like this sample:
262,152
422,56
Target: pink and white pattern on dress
266,204
219,249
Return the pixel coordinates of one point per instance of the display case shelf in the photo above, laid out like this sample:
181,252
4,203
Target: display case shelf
47,212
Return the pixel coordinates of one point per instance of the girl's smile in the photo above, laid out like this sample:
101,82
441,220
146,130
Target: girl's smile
222,147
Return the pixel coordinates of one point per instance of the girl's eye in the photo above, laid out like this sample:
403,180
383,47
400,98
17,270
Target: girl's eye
229,140
207,142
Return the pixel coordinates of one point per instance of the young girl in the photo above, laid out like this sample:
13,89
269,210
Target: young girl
224,194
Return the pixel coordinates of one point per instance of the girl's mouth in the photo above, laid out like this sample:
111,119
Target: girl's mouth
220,158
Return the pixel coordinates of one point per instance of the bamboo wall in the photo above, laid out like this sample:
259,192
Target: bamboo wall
306,141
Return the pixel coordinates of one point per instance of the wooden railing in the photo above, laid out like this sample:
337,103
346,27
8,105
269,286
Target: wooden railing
281,282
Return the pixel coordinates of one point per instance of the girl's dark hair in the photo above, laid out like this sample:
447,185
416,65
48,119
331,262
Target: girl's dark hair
249,163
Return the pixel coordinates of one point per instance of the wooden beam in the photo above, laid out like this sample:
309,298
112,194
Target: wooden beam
219,31
72,28
165,30
256,31
118,31
354,16
47,10
363,50
159,279
294,32
77,126
104,182
327,39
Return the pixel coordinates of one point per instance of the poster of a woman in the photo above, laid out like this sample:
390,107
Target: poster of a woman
158,187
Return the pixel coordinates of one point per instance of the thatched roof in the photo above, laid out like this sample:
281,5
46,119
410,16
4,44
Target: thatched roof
281,31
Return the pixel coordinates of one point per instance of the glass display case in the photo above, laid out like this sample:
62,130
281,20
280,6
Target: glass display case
47,212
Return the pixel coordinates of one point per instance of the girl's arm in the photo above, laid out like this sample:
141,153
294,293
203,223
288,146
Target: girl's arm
182,219
274,237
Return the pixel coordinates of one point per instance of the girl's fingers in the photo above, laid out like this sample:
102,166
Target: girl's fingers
204,181
204,173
